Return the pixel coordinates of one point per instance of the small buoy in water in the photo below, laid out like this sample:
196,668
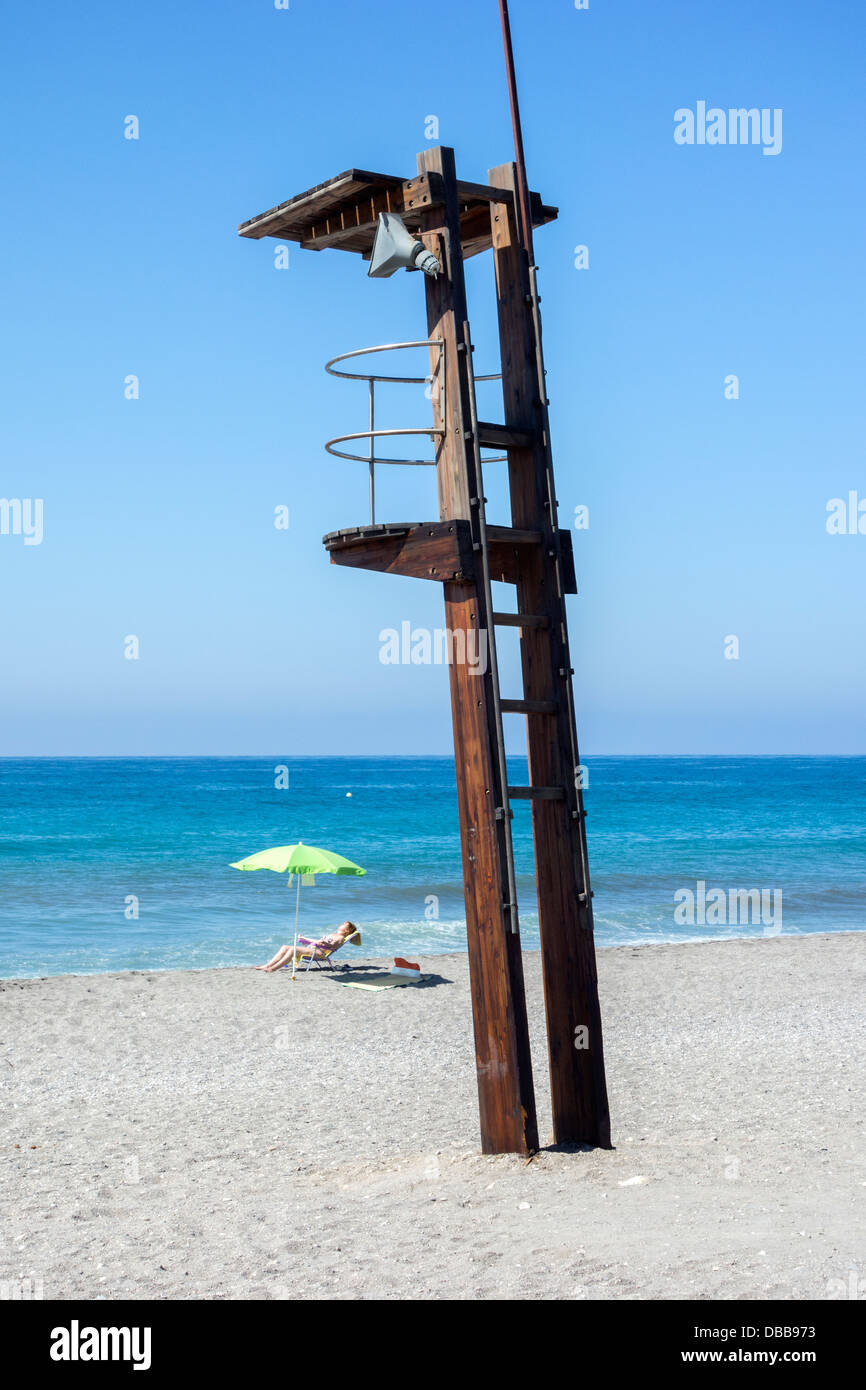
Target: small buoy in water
348,793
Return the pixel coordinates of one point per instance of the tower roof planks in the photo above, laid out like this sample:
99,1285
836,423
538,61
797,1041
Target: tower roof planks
343,213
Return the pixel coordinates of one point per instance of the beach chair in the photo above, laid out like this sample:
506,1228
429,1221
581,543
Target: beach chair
319,956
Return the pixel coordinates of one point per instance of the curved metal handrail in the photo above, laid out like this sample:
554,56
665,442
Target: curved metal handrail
393,347
432,432
380,434
384,347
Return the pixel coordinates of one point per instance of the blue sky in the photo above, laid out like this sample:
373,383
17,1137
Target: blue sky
707,515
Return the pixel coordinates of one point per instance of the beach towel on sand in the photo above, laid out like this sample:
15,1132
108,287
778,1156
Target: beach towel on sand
384,981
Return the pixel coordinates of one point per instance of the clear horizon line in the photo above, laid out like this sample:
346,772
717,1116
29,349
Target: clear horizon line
309,757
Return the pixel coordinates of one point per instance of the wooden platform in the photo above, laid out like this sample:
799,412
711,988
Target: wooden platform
343,213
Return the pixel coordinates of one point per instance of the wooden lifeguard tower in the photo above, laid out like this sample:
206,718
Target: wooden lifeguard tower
464,553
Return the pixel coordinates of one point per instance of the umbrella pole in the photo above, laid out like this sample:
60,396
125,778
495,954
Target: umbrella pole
297,914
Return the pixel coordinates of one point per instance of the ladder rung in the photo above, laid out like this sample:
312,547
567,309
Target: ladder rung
521,620
503,437
528,706
513,535
536,793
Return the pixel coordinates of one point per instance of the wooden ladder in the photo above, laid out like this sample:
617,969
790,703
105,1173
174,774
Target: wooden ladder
543,576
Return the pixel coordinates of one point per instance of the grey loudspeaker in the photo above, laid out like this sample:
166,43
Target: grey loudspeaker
395,246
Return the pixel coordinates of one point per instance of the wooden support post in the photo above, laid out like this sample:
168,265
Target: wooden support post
505,1089
578,1089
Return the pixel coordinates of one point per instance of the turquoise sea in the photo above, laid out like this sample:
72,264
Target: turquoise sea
84,843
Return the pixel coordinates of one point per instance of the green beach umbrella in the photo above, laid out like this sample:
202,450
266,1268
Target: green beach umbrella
299,859
302,860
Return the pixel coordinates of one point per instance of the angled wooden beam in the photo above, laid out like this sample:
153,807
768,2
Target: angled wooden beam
440,550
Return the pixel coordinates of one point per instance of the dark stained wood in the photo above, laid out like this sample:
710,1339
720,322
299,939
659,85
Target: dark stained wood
520,620
514,535
566,550
510,551
430,550
528,706
578,1088
508,564
515,554
501,437
535,793
503,1061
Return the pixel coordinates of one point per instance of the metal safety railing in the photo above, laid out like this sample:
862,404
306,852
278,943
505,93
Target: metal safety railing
371,458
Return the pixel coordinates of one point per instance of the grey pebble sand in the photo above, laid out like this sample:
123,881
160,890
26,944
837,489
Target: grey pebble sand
229,1135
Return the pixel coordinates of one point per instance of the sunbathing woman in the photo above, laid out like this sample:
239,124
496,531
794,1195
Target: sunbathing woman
324,945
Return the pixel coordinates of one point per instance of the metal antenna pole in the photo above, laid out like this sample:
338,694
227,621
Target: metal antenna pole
524,227
525,218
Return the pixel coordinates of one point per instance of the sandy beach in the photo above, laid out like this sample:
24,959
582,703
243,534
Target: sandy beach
229,1135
